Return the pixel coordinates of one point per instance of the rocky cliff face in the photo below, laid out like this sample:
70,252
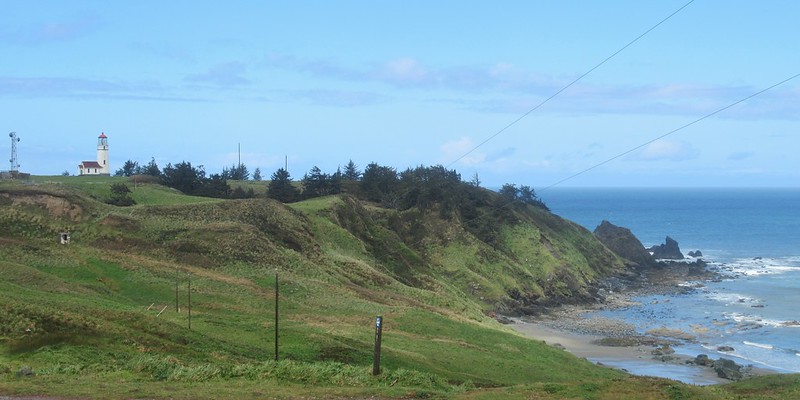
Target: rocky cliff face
622,242
667,251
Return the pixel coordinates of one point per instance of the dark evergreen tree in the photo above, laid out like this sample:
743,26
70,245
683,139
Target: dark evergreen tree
213,186
129,168
236,173
527,195
281,188
508,193
424,187
316,184
524,195
257,174
475,181
183,177
151,168
336,182
120,195
379,184
351,172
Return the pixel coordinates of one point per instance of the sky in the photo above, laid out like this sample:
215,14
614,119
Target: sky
463,84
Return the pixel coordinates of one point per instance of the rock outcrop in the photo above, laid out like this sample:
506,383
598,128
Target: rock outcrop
728,369
667,251
696,253
622,242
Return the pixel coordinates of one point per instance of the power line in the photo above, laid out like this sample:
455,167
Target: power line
545,101
631,150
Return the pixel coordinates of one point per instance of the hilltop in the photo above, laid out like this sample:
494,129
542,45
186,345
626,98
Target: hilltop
98,317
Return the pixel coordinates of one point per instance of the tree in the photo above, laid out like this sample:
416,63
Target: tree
317,184
213,186
508,192
120,195
524,194
236,173
280,187
424,187
129,168
475,181
257,174
527,195
151,168
183,177
379,183
351,172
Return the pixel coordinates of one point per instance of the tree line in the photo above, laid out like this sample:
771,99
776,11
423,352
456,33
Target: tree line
422,187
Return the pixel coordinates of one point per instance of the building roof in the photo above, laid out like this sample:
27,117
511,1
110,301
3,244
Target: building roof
102,135
90,164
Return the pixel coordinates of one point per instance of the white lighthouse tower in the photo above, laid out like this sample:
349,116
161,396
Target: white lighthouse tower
99,167
102,154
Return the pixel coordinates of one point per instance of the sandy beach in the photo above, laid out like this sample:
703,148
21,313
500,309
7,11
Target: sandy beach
616,344
635,359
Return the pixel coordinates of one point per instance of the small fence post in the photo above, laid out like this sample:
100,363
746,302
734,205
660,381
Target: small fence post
276,315
376,357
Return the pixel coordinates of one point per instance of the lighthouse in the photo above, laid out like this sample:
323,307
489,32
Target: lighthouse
102,154
99,167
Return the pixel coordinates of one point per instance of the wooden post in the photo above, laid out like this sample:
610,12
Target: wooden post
276,315
376,357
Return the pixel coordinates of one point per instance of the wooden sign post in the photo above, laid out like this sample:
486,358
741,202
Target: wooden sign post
376,357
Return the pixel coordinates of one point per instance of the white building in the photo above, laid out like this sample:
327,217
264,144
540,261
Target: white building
99,167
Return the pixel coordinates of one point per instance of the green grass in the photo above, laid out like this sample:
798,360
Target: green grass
85,317
99,187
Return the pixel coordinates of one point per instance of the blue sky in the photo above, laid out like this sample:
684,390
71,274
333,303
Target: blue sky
409,83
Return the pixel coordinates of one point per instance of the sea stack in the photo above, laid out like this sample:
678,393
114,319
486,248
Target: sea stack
622,242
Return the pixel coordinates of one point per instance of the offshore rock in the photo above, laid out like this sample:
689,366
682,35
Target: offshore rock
728,369
702,359
667,251
622,242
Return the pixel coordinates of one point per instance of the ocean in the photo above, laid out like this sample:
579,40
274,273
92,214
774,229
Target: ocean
751,235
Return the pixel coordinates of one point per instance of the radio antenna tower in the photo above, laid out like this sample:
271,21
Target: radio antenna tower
14,161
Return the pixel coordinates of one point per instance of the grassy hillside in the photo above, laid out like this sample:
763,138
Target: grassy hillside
98,317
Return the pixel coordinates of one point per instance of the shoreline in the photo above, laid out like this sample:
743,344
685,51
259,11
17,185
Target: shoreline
617,344
634,359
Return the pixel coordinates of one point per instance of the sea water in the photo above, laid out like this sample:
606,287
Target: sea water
752,236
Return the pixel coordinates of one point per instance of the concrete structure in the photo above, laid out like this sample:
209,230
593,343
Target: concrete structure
101,166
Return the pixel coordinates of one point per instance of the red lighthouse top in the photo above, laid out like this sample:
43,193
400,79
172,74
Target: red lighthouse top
102,135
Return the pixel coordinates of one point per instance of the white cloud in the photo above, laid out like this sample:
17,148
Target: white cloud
668,150
459,149
404,70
